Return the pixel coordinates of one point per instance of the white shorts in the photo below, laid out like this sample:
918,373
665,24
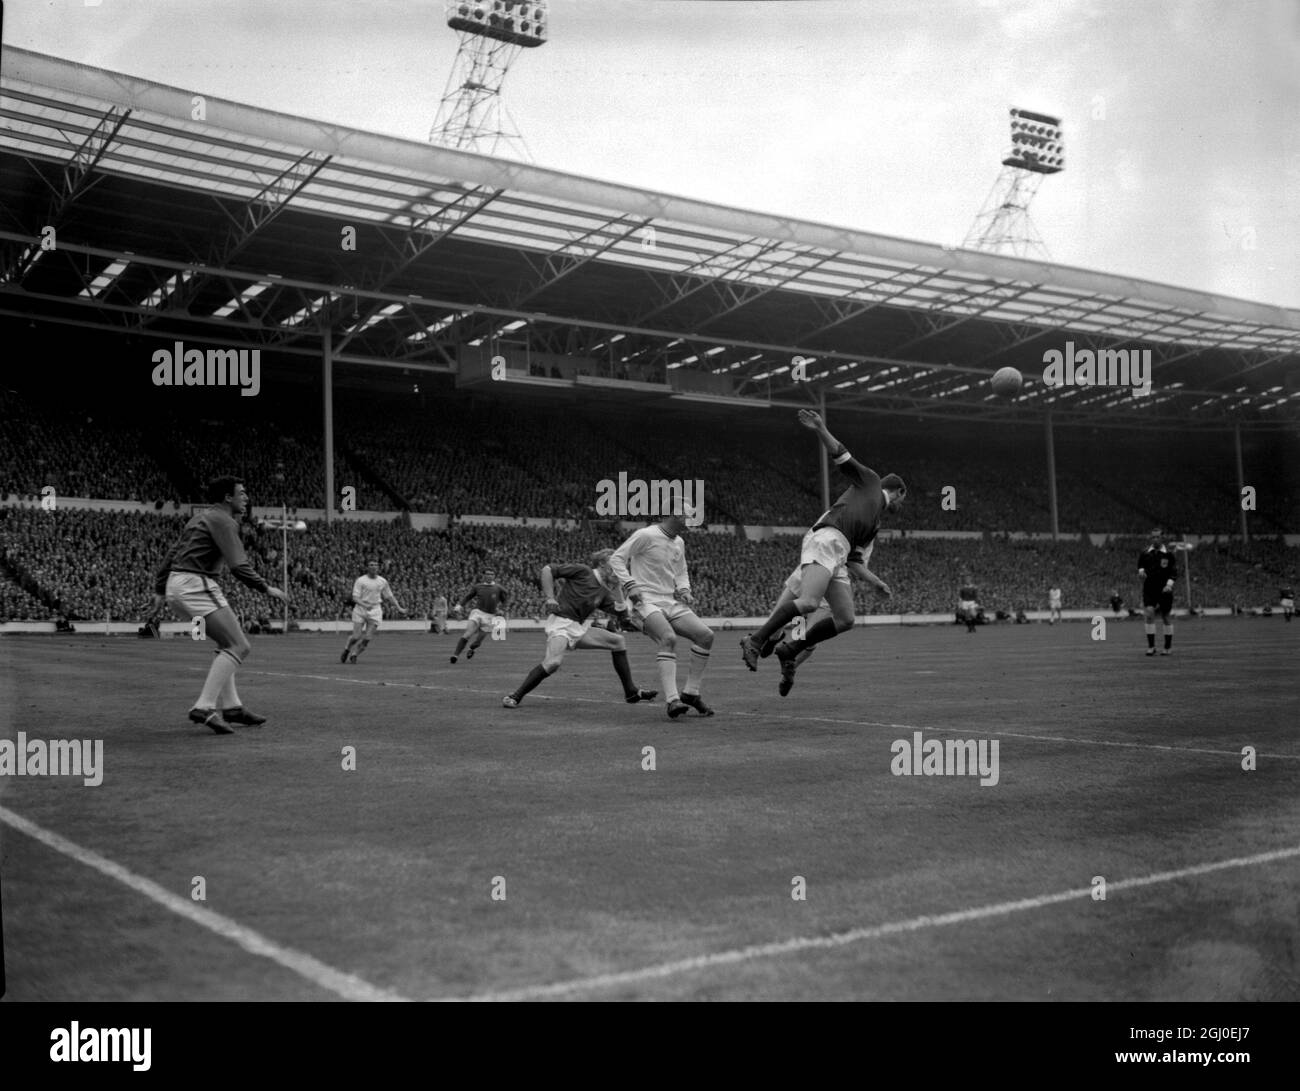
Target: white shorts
1054,604
193,595
485,620
367,613
794,582
665,604
827,547
1288,604
967,606
571,630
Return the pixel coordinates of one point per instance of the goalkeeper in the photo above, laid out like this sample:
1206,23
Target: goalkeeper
581,591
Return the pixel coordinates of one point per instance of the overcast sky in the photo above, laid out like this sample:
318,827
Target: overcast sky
1182,117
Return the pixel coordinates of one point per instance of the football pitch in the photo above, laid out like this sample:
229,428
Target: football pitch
773,851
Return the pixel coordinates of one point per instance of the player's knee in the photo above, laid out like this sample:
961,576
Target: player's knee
668,642
240,646
705,639
805,606
843,621
619,643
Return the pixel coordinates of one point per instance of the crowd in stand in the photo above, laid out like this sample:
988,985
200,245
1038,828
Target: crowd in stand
91,564
463,456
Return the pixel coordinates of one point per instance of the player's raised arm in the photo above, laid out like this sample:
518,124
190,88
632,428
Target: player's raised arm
854,470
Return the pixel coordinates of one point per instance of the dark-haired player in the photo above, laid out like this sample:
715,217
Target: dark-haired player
651,568
851,523
369,594
1158,570
488,598
582,590
187,581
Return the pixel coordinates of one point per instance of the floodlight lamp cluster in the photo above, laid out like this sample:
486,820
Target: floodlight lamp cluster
518,22
1037,143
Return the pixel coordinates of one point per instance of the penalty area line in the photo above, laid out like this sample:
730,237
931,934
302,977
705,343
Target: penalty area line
342,984
859,935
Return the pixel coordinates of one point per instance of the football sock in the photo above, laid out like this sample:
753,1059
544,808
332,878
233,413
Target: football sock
668,674
699,662
803,656
624,671
477,641
223,666
1151,635
823,630
460,646
1169,636
365,640
534,679
229,695
781,617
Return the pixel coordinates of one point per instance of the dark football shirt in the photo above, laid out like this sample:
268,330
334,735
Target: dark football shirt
209,542
490,597
1160,568
578,592
967,593
856,514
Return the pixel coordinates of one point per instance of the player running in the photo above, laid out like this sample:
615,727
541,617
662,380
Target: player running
968,607
186,581
651,568
1158,570
369,594
857,567
488,598
582,591
1287,601
851,523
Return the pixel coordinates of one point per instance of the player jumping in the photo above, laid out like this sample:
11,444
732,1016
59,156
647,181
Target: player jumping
857,567
369,594
1158,570
186,581
851,523
488,598
582,591
651,567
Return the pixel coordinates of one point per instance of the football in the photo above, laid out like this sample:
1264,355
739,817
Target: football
1006,381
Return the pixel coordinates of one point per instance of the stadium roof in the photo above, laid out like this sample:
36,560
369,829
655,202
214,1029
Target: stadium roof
229,230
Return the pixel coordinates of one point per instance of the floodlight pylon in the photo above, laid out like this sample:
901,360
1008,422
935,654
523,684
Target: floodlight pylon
472,114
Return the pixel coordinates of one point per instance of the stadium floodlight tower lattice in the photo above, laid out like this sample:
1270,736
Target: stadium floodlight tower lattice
472,114
1003,224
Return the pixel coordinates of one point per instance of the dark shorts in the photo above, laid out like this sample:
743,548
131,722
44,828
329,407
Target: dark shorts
1161,600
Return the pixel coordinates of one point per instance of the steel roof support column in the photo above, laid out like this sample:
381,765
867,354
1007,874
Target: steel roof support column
1051,473
327,385
1241,483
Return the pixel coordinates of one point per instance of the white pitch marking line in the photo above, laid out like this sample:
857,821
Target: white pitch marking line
336,981
1001,734
856,935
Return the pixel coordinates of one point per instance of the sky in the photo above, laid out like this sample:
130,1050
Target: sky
1182,117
